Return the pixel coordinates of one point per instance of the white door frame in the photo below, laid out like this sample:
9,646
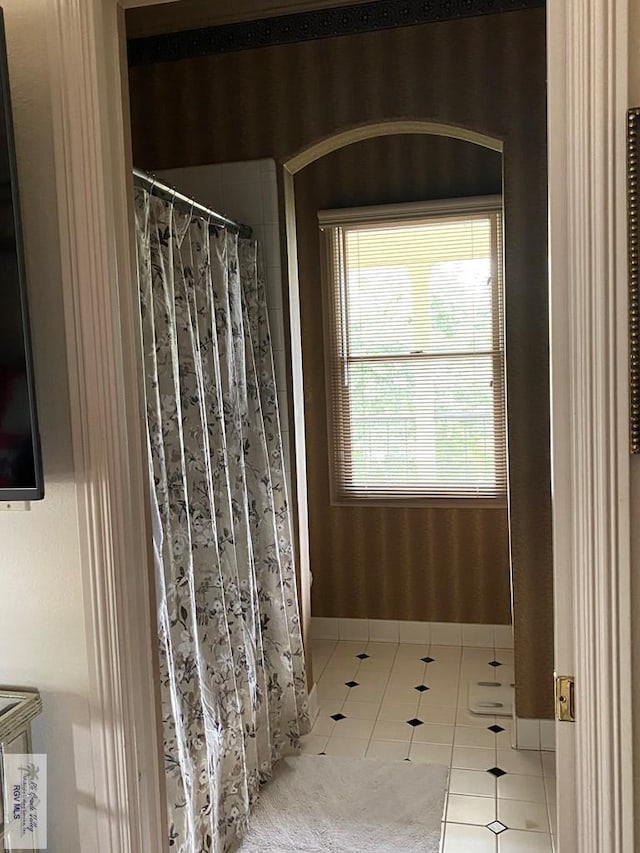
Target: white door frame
587,42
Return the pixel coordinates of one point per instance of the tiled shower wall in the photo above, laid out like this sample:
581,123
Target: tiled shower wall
248,193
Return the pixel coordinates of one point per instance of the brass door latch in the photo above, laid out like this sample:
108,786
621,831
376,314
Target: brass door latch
565,699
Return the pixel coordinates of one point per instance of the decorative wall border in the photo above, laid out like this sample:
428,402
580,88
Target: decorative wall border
307,26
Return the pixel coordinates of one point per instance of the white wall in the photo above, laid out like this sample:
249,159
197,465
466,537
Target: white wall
42,637
248,192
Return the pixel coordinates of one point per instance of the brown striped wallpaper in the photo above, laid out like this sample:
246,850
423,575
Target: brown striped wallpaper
435,564
486,74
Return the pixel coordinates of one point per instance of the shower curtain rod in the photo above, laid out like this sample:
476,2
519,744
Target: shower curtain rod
188,204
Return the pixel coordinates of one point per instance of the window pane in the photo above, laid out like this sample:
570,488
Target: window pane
422,287
422,424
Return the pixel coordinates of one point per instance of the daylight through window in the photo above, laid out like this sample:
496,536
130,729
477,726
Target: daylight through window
415,354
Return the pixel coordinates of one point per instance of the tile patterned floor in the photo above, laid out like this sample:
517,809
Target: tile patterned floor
399,701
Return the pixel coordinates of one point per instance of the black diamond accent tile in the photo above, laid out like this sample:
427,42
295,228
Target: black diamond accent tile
497,826
351,684
363,656
421,688
496,729
338,716
497,772
407,759
322,753
494,663
415,722
428,659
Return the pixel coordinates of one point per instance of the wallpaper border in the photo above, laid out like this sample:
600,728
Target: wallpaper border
307,26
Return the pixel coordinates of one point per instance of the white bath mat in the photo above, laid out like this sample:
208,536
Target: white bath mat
321,804
493,698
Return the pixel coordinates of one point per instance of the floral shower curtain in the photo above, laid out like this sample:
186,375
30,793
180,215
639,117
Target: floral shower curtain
232,667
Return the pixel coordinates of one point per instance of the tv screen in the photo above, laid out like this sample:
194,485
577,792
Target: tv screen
20,465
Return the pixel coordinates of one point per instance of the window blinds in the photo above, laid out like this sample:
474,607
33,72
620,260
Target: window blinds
415,351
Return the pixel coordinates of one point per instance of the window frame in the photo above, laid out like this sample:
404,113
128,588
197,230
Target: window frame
381,215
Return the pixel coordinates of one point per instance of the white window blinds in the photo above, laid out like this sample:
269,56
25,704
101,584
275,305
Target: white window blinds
415,352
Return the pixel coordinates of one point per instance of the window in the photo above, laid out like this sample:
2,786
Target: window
415,353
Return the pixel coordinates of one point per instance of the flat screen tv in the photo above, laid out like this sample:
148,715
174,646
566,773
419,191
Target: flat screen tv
20,463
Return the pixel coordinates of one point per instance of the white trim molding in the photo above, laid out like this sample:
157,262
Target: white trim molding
588,56
93,163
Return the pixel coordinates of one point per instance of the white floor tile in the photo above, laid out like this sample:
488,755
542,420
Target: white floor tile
377,678
319,666
390,750
433,733
376,664
347,648
347,747
339,670
332,690
387,651
516,787
385,730
430,753
398,712
523,762
313,744
327,707
468,809
412,651
323,726
377,711
442,694
353,727
515,841
441,714
459,838
466,718
474,736
444,653
360,710
367,692
322,647
504,740
470,758
516,814
476,783
506,674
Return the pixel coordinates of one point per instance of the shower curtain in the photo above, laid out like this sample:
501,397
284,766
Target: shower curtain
232,669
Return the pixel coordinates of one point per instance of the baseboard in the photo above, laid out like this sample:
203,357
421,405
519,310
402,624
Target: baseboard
420,633
534,734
